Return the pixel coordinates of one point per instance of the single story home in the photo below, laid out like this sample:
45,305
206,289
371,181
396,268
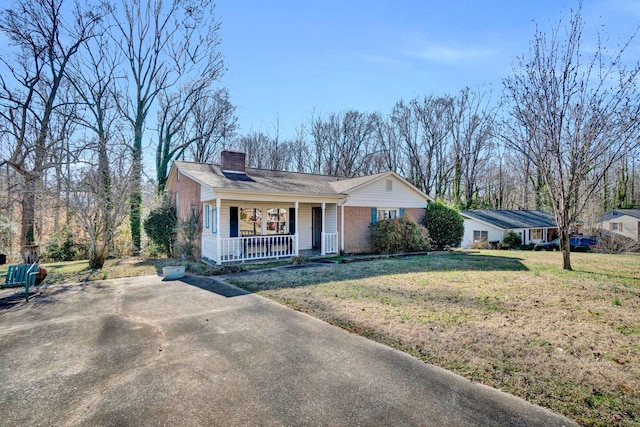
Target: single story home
249,214
484,226
622,222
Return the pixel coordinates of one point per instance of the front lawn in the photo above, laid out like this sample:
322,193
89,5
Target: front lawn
568,341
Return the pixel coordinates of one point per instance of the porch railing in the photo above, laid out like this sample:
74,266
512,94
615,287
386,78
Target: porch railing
330,243
256,247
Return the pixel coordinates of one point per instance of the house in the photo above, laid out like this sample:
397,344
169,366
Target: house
249,214
622,222
483,226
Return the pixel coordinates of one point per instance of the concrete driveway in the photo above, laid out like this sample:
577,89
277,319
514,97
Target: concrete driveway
141,351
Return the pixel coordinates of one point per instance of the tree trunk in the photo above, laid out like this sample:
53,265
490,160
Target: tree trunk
135,213
98,257
565,246
28,234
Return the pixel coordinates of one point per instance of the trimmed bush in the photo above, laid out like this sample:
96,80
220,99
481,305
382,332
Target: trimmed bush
511,240
445,225
398,235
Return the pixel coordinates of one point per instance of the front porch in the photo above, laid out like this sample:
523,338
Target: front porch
244,230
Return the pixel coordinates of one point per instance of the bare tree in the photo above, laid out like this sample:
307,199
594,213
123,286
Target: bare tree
572,119
88,201
343,142
98,203
472,126
44,42
256,145
164,44
212,124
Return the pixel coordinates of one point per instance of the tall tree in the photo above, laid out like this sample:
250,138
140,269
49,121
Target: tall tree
212,124
97,202
472,126
343,142
43,41
164,44
577,118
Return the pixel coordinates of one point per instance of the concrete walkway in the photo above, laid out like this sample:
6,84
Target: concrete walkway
140,351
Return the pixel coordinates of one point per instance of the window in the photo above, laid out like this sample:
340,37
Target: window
214,221
250,222
277,222
480,236
254,223
536,234
388,213
207,208
615,226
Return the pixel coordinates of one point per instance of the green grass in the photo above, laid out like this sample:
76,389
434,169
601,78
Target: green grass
514,320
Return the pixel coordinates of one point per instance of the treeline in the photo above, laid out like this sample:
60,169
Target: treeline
452,147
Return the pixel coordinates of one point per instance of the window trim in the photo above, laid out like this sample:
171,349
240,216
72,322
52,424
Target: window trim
214,221
387,213
538,231
481,233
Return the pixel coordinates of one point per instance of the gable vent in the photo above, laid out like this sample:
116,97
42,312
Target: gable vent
389,184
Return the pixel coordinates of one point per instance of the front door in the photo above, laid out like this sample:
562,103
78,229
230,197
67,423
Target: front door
316,228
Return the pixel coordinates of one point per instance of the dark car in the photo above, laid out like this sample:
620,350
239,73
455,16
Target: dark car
576,244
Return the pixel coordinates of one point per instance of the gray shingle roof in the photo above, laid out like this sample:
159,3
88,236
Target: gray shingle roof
269,181
513,219
631,212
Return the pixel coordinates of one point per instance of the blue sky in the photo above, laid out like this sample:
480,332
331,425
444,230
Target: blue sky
287,59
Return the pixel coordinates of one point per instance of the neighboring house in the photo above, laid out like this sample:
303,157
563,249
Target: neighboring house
622,222
483,226
256,213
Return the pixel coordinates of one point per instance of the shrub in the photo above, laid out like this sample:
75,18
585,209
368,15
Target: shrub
299,260
511,240
63,246
188,234
160,226
398,235
445,225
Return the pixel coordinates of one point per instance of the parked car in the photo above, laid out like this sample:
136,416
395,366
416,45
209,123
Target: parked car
576,244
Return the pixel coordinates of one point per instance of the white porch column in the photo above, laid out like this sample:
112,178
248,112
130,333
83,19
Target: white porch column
218,237
341,228
296,205
322,248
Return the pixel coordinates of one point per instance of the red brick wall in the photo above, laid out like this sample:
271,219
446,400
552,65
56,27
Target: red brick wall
415,214
356,227
188,195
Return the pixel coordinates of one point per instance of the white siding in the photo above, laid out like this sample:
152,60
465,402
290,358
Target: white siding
331,218
376,194
207,194
304,226
471,225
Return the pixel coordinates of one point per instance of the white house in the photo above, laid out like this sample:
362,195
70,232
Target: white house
484,226
249,214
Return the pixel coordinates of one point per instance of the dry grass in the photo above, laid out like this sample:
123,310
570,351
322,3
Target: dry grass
569,341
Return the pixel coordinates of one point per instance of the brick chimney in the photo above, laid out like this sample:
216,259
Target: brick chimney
233,161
